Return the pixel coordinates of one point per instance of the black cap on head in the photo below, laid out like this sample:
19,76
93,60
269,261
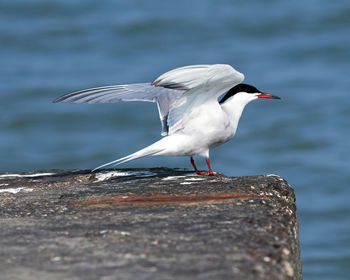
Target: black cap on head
239,88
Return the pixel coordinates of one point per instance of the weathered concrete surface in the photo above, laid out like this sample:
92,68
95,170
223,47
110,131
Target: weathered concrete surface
147,224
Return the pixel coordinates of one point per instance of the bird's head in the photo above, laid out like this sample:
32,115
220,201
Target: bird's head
246,93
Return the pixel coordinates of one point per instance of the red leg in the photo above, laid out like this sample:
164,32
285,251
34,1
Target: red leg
195,168
211,173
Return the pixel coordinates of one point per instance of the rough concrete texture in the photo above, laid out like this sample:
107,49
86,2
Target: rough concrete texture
147,224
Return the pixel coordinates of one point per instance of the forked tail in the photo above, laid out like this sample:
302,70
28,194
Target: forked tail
148,151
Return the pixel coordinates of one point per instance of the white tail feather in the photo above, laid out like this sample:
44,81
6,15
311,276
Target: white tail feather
148,151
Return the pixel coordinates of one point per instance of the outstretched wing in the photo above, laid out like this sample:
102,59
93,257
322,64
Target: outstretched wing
132,92
116,93
175,92
202,84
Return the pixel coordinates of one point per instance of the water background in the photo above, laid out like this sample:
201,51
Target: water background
299,50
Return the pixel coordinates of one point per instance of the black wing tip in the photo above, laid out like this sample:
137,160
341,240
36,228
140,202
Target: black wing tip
60,99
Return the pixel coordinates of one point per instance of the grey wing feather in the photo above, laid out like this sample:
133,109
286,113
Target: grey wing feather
110,94
131,92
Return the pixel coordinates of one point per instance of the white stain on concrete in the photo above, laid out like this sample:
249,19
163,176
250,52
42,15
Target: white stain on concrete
12,190
25,175
274,175
172,178
111,174
194,179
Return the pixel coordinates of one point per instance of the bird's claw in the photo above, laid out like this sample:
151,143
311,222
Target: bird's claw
201,173
214,174
208,173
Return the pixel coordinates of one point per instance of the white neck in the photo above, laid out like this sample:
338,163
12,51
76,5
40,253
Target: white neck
234,106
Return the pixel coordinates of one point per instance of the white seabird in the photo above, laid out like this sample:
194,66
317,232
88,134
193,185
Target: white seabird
193,118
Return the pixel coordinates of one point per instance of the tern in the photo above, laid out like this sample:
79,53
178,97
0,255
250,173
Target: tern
193,117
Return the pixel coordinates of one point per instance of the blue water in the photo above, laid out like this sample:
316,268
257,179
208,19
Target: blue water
299,50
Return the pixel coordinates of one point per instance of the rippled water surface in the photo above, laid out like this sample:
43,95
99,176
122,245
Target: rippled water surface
299,50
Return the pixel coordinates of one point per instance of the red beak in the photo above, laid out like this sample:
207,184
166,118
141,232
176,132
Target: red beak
267,95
